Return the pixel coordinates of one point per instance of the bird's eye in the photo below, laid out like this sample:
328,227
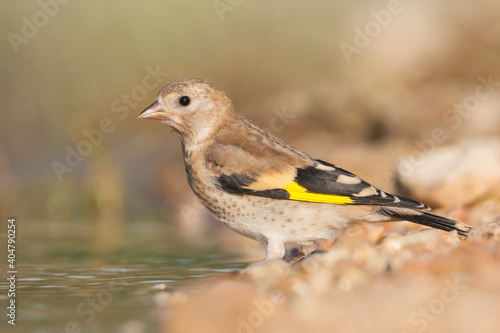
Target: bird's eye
184,101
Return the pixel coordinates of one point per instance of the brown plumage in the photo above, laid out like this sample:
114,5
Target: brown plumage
265,189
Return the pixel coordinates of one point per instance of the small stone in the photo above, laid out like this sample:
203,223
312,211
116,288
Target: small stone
462,174
159,286
452,239
486,231
392,243
424,240
268,274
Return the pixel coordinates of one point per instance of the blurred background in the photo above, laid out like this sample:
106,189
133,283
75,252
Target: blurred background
362,84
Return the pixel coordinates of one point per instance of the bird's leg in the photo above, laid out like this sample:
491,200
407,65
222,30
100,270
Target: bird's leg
275,249
303,251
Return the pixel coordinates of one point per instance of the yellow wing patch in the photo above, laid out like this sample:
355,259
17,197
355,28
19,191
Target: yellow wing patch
300,193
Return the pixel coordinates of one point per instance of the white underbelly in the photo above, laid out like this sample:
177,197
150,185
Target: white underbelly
288,221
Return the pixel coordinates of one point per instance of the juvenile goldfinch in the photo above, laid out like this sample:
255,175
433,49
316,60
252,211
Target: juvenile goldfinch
265,189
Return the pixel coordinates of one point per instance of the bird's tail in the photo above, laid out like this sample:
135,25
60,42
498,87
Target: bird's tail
427,219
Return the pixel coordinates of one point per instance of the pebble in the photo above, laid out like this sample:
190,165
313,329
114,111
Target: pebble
464,173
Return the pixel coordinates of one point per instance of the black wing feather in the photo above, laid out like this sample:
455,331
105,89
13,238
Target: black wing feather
317,180
321,178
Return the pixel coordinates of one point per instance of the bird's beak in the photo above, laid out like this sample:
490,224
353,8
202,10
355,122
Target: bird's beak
154,111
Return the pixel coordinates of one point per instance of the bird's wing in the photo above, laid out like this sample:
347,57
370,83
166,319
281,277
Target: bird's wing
240,172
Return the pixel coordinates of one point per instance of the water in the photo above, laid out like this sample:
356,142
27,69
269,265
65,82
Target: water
67,283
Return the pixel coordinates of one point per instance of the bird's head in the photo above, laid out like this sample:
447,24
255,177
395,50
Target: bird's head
192,107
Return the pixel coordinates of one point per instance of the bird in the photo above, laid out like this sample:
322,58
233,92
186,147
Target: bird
265,189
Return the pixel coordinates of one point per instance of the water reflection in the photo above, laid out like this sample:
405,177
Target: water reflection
64,286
